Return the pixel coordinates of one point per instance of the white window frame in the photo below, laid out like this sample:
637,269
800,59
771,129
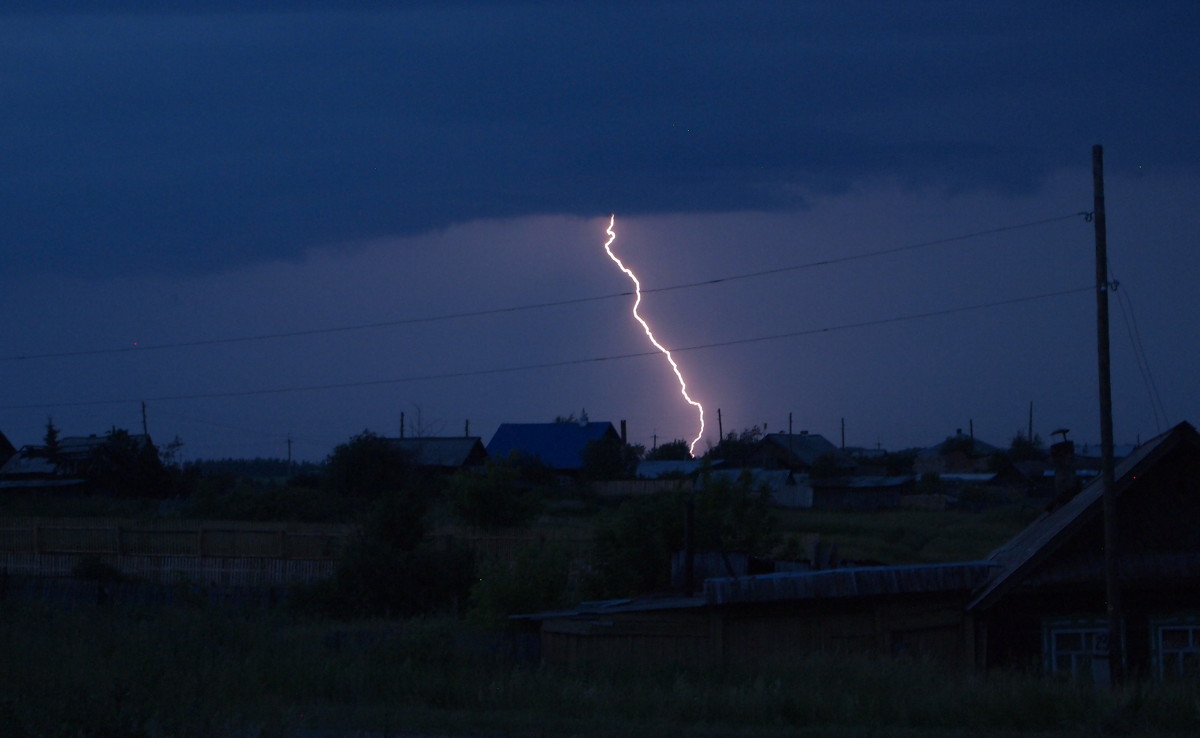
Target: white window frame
1171,661
1089,660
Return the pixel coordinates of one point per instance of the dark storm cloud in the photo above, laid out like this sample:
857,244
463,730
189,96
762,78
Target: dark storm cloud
227,133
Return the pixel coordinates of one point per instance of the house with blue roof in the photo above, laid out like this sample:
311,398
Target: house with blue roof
557,445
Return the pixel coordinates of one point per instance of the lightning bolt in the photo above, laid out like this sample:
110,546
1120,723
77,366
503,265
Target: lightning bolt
637,288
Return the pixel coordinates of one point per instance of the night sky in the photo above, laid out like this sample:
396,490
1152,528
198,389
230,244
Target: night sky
273,220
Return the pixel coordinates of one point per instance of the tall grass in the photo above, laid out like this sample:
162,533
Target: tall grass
123,672
911,536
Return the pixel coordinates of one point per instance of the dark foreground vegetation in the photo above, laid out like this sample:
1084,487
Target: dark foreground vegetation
117,672
411,635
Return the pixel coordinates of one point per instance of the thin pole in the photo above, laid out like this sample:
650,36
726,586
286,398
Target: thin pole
1112,594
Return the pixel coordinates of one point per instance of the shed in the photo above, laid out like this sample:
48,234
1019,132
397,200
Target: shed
912,610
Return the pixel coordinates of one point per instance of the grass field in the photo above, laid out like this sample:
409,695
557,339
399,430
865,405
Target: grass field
910,536
96,671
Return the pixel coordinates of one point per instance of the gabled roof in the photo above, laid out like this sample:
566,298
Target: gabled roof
29,468
557,445
6,448
981,448
806,448
1024,551
446,453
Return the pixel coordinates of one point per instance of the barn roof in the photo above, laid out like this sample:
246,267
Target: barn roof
804,447
449,453
1024,551
849,582
557,445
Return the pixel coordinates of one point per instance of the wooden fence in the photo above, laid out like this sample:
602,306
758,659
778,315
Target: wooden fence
173,538
211,552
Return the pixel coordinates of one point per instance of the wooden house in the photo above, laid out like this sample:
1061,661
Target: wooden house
799,452
442,454
1036,602
559,446
1045,606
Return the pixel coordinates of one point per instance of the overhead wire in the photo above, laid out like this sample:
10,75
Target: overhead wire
532,306
1125,303
557,364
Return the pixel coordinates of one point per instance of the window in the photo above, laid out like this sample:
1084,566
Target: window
1077,647
1176,646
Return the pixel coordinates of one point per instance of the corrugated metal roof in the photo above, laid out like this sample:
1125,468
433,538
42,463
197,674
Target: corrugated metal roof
868,482
448,453
557,445
28,463
1040,538
850,582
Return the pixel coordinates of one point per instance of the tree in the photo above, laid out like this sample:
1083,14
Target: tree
609,458
498,497
676,450
735,515
51,445
632,548
128,466
366,467
1026,449
735,448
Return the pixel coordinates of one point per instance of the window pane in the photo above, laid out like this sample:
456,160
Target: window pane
1175,638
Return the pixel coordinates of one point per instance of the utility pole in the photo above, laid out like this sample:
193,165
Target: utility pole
145,428
1112,593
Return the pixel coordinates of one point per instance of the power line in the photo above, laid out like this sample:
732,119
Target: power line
559,364
532,306
1125,303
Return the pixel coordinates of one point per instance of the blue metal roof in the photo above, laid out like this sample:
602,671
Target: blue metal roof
557,445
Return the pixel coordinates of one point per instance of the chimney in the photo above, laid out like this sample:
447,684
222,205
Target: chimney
1062,456
624,435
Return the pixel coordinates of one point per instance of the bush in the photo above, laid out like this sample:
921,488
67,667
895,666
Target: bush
536,580
497,497
392,570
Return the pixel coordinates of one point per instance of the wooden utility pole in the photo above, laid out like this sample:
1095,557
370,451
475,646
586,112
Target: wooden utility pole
145,427
1112,590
